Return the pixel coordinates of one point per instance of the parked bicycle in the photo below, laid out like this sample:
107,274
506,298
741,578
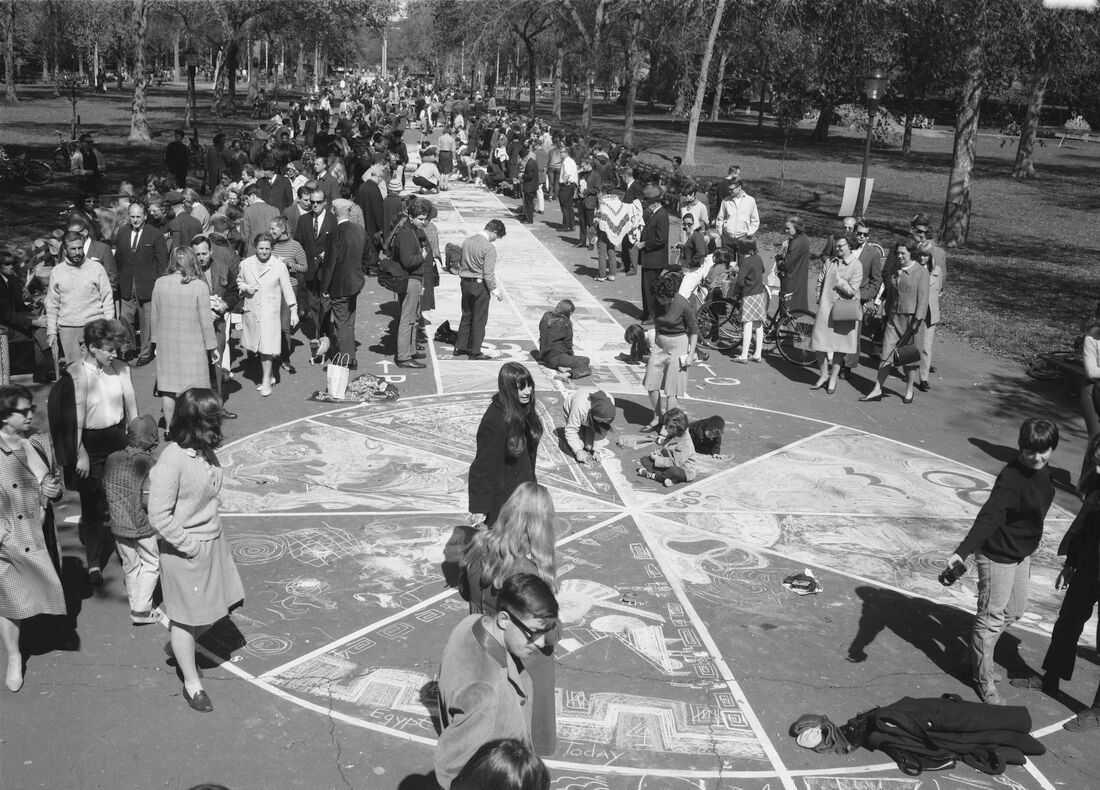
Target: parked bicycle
62,156
33,171
788,331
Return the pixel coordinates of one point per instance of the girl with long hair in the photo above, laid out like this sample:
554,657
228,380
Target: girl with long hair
521,541
507,443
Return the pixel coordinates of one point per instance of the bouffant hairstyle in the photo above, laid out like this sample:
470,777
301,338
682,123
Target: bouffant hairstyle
197,422
104,331
10,395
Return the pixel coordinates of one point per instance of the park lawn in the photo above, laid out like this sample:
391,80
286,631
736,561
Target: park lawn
1023,284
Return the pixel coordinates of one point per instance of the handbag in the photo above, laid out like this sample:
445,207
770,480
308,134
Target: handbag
906,352
846,310
336,376
392,276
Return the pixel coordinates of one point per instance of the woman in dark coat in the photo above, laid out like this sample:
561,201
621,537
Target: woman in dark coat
507,443
795,267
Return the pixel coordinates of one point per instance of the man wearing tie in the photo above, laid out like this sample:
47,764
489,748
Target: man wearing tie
316,233
142,257
340,277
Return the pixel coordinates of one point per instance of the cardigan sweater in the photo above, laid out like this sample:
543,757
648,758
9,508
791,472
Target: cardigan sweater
183,499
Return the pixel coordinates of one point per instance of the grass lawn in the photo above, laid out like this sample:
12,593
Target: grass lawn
1024,283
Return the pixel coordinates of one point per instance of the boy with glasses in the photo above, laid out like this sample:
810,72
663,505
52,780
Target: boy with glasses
484,688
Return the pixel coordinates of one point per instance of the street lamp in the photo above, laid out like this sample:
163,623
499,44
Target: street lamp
191,59
874,86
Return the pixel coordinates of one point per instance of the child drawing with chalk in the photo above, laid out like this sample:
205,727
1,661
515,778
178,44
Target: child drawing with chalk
673,461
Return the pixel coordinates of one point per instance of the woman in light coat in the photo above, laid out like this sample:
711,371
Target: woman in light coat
264,282
183,329
833,339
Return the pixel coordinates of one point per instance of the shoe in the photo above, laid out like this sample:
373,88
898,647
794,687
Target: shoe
285,365
1037,683
410,363
611,278
991,696
870,398
907,399
631,272
200,702
459,353
14,679
1088,719
142,361
265,391
419,355
152,617
844,373
668,482
228,415
95,577
924,386
820,385
601,279
741,360
480,357
830,390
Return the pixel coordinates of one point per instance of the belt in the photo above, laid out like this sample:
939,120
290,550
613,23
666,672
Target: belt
473,279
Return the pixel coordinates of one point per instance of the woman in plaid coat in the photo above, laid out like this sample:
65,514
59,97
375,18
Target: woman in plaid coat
29,584
183,329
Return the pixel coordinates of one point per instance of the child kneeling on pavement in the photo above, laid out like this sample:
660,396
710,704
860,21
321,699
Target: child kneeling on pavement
674,459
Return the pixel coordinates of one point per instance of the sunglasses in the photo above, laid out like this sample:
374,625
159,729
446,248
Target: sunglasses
317,202
29,410
862,233
530,634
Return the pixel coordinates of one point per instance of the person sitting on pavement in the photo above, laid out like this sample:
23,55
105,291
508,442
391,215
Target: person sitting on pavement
673,460
556,343
589,413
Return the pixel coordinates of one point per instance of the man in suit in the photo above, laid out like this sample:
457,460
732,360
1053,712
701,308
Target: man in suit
294,211
326,181
340,276
653,258
221,277
182,227
633,194
142,257
276,190
530,184
258,214
369,198
316,233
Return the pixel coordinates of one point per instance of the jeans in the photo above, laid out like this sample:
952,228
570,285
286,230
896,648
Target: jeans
552,176
565,200
605,254
141,566
406,322
1002,597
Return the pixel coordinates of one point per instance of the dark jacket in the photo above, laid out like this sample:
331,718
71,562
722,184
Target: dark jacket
317,247
530,176
555,336
341,273
494,475
183,228
1081,543
410,243
654,254
750,276
138,269
369,198
796,274
279,193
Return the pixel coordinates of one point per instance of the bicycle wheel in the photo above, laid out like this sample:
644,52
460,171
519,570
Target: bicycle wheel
719,324
61,159
37,172
792,338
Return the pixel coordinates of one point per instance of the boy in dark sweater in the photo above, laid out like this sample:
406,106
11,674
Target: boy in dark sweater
1005,534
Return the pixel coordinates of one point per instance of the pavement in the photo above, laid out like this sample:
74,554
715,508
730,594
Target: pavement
684,659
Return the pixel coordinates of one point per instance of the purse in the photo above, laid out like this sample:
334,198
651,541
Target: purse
846,310
906,352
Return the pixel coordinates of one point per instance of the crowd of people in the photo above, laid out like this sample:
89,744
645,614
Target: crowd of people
278,239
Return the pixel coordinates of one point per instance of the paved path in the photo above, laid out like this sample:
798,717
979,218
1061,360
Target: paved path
683,661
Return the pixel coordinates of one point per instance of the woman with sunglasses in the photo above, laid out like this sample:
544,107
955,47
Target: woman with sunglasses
29,584
521,541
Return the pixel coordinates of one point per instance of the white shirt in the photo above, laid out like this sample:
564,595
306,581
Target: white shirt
569,174
738,216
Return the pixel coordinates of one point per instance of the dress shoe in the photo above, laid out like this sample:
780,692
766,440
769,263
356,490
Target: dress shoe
1088,719
95,577
924,386
458,352
907,399
14,679
200,702
741,360
285,365
870,398
844,373
419,355
228,415
410,363
353,365
479,357
142,361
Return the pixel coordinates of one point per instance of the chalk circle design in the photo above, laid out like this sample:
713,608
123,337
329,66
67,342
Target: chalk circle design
722,381
250,549
265,645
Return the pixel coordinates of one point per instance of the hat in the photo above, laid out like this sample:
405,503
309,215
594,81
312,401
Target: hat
651,192
342,205
602,413
142,432
174,198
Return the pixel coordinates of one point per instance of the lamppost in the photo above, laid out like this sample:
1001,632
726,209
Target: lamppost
191,59
873,88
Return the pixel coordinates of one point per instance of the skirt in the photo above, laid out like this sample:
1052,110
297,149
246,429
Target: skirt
895,329
663,370
202,590
446,162
754,307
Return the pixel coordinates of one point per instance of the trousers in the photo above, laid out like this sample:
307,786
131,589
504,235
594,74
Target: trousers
1002,598
137,310
475,315
1076,610
343,323
406,321
141,567
565,200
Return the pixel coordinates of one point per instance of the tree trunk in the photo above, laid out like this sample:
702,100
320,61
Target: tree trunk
907,136
139,127
220,74
254,66
232,58
821,130
630,93
1025,151
300,71
763,92
559,76
716,107
316,67
9,57
95,67
956,210
700,91
680,109
176,58
531,77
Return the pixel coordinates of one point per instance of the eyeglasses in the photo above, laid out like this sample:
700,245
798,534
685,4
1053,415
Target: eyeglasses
31,410
530,634
862,233
317,202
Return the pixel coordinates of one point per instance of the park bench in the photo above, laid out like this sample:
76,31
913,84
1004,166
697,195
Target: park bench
1066,363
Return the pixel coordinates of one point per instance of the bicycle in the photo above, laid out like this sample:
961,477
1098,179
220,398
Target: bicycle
789,331
33,171
62,156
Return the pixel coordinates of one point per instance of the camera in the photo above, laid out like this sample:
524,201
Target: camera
951,573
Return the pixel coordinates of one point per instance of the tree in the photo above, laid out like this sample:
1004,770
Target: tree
528,21
592,37
700,91
139,126
633,52
9,56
